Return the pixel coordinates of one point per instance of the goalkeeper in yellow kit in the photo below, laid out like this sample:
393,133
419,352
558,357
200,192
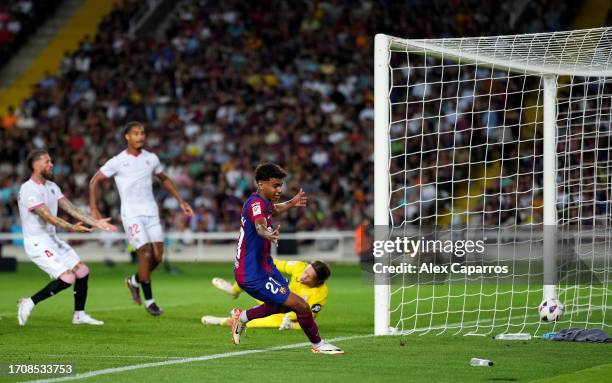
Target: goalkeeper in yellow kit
306,280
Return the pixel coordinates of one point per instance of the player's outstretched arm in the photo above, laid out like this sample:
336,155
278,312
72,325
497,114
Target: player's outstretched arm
299,200
102,223
171,187
262,229
93,194
44,213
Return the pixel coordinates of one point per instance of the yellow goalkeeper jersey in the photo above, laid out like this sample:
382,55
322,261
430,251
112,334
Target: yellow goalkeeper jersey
316,297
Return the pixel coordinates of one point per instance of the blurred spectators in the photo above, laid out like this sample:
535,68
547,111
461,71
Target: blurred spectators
235,83
19,19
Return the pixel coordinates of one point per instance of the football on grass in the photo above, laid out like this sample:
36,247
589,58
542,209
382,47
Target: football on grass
551,310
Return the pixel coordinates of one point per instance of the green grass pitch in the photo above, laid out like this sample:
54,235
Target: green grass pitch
131,337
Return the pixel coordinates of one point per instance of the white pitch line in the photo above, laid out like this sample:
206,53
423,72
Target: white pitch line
115,370
181,360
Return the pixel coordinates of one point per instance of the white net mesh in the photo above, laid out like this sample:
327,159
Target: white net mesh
466,156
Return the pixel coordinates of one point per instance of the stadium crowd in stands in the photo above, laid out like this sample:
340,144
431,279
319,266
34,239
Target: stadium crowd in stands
231,84
19,19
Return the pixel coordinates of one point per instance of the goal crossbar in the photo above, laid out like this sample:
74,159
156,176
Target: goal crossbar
570,53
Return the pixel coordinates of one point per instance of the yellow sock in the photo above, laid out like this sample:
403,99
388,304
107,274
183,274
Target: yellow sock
236,289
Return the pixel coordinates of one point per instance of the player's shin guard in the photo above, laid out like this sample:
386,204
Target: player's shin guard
52,288
262,311
80,293
309,326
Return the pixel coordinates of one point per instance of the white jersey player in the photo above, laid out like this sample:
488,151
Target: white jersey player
39,199
133,170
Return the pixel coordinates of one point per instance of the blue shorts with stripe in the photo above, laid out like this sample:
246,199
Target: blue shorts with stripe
274,290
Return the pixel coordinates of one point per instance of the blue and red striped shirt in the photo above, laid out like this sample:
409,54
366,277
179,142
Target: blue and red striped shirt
253,260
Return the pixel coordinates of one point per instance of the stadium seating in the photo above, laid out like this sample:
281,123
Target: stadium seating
231,84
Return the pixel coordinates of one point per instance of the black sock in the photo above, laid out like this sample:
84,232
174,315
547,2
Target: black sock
80,293
52,288
136,278
146,290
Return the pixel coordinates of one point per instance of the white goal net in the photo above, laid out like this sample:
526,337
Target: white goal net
500,139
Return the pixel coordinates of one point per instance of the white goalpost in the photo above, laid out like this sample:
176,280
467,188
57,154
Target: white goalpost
507,140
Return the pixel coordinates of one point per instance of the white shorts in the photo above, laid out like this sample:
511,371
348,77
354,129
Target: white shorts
143,229
51,255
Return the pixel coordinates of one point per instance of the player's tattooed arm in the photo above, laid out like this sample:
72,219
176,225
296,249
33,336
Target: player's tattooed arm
171,187
299,200
75,212
261,225
44,213
102,223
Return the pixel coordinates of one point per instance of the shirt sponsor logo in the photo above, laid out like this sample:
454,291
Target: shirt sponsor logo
256,208
32,200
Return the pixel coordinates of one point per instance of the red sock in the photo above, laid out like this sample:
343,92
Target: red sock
309,326
262,311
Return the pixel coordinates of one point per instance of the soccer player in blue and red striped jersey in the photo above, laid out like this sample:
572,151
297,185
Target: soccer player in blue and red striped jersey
254,269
